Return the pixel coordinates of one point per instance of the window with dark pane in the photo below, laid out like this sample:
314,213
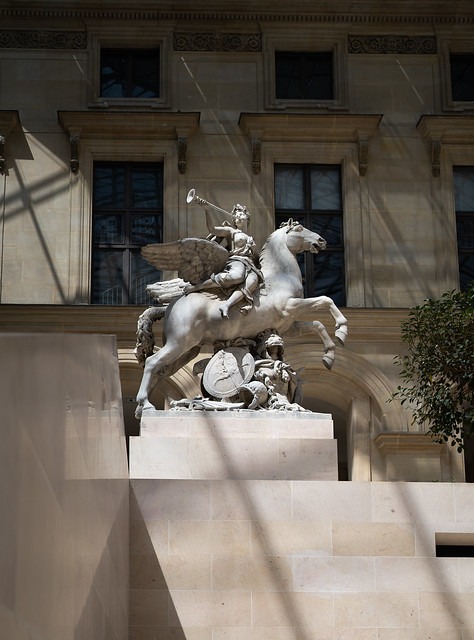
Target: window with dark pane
311,194
130,73
462,77
464,204
127,214
301,75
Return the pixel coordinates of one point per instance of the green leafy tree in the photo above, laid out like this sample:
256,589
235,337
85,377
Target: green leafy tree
438,368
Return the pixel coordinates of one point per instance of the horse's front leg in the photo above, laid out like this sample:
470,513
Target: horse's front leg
154,365
298,307
298,329
162,364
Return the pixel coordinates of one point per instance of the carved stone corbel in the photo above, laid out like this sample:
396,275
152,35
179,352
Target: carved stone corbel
256,155
363,148
74,142
182,153
2,154
435,158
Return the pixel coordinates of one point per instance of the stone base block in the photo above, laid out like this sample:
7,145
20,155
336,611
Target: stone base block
214,445
298,560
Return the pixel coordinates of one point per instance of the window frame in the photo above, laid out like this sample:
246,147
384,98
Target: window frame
309,42
299,58
105,150
461,45
452,145
305,217
357,287
122,38
462,214
129,55
126,247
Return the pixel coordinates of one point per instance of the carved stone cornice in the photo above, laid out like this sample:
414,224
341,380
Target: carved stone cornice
128,125
295,127
436,12
439,130
9,120
406,442
388,44
225,42
42,39
458,129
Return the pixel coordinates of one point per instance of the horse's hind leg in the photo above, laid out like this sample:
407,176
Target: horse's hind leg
161,365
303,306
307,328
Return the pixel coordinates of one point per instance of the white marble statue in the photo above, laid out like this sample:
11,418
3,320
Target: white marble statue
204,314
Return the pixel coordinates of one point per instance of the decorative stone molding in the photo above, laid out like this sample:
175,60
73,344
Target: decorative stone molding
387,44
439,130
226,42
9,120
353,374
128,125
30,39
295,127
406,442
439,12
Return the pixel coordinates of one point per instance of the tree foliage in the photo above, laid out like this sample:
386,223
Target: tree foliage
438,369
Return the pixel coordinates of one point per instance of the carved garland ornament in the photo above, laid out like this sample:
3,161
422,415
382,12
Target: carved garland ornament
227,42
393,44
43,39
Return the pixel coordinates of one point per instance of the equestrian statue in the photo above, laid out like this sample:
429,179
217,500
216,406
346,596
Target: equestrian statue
238,301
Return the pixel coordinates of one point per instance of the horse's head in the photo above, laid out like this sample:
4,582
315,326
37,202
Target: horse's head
300,239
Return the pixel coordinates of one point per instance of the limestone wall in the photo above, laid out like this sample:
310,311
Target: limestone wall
399,218
64,489
234,553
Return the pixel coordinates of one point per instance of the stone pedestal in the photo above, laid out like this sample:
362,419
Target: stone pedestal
211,517
244,445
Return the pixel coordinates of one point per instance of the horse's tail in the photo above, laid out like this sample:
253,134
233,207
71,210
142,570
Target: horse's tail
145,337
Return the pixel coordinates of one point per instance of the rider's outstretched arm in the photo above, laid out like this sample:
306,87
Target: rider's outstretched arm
221,232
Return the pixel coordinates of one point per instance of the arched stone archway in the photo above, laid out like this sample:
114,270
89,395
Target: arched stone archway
357,394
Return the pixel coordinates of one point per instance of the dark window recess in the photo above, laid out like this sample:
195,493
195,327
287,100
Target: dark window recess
311,194
130,73
127,214
462,77
304,75
454,551
464,204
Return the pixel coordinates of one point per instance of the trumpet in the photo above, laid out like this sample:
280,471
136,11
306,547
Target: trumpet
192,196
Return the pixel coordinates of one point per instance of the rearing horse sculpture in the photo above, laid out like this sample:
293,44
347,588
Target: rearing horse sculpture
193,320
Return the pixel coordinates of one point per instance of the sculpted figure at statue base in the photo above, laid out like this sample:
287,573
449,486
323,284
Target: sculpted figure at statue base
246,374
215,300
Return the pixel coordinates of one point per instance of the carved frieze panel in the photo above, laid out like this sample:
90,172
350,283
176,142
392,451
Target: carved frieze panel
18,39
392,44
226,42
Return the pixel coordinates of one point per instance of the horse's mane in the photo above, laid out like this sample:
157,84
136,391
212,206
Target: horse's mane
289,225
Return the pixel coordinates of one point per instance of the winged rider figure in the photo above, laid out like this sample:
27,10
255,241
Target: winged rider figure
241,270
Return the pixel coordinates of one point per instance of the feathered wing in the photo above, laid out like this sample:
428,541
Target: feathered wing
195,259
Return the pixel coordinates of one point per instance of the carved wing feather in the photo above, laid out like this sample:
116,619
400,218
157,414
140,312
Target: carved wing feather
195,259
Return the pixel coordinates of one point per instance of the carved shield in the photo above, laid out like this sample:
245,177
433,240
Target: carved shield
228,370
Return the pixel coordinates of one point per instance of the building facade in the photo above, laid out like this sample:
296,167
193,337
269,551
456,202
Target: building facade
355,118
